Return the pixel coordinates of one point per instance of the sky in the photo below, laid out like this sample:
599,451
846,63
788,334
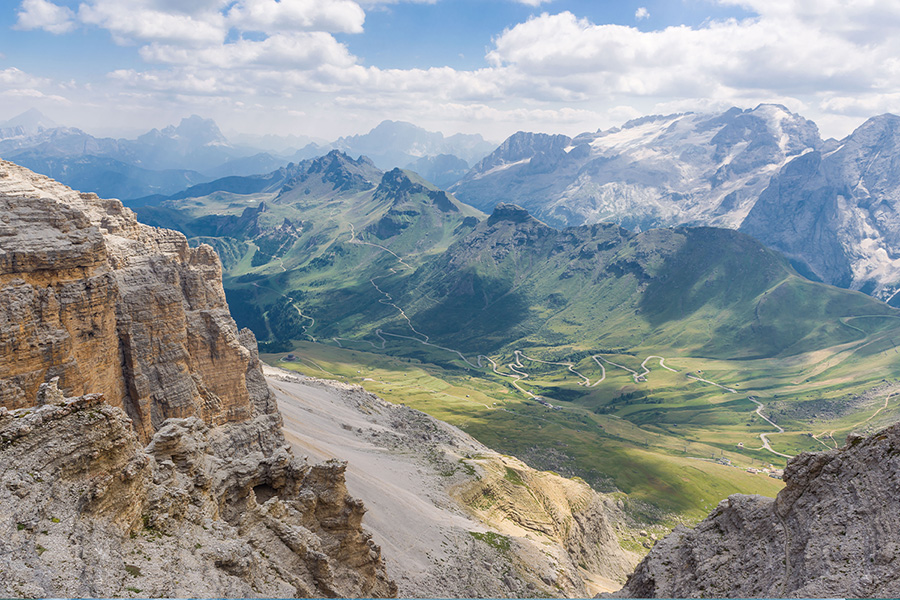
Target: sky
327,68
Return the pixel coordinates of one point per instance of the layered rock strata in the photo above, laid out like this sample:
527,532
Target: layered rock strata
111,306
153,463
832,532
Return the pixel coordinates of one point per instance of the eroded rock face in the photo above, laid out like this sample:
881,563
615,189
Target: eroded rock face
141,451
111,306
833,531
86,511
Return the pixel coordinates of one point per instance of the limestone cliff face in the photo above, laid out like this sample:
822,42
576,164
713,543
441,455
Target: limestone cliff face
87,511
111,306
141,450
833,531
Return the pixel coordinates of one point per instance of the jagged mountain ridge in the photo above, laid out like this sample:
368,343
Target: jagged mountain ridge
654,171
140,445
308,228
838,211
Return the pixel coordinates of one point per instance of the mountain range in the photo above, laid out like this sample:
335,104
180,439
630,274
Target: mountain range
176,476
334,260
830,206
655,171
165,161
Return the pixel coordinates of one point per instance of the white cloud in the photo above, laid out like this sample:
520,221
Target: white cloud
834,58
343,16
144,20
14,77
861,21
863,105
41,14
33,94
720,57
302,51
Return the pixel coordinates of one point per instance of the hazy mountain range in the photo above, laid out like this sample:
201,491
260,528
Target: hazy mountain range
166,161
829,205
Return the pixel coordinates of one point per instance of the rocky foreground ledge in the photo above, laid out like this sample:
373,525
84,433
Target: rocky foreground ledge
87,511
833,531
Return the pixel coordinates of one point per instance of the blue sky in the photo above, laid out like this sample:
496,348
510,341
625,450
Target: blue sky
336,67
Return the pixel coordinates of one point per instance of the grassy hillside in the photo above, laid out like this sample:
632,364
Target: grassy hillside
652,363
663,343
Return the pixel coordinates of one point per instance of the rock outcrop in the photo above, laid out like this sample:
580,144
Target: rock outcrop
833,531
87,511
153,463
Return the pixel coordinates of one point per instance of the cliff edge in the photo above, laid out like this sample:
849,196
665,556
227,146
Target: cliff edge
114,307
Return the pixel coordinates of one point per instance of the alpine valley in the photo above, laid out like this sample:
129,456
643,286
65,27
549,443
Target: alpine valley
563,353
647,361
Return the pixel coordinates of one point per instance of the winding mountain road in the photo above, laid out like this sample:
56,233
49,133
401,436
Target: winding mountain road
570,366
517,369
764,436
695,378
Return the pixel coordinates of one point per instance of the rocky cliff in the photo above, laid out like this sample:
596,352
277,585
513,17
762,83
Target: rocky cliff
141,450
87,511
838,212
111,306
831,532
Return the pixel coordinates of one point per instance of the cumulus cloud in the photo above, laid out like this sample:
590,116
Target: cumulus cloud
757,54
298,51
641,13
41,14
145,20
344,16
